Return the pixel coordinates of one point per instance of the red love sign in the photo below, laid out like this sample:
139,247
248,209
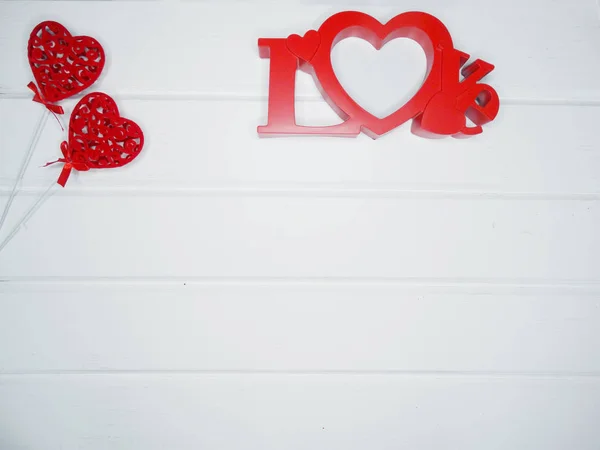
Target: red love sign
62,65
99,138
440,108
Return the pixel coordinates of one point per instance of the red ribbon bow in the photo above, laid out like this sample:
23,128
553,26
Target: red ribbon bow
54,109
69,164
37,97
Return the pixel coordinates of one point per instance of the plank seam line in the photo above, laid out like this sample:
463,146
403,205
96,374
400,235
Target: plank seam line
355,373
325,280
317,192
197,96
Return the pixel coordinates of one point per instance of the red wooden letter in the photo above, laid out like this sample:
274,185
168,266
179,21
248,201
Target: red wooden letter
282,92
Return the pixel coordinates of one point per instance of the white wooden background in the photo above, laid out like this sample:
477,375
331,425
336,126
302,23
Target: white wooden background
228,292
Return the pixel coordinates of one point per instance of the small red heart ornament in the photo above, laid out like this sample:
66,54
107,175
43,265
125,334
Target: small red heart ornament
304,47
99,138
62,65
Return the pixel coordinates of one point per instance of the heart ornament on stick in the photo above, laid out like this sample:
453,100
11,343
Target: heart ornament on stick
99,138
62,65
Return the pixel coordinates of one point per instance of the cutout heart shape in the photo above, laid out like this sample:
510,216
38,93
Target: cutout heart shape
99,138
383,80
63,65
424,29
304,47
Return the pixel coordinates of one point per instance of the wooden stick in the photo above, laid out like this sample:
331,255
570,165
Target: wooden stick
39,202
26,159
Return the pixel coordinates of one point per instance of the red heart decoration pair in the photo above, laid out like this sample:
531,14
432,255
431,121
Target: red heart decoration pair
99,137
62,65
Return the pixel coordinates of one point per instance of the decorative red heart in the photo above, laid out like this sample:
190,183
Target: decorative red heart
379,80
426,30
63,65
99,137
304,47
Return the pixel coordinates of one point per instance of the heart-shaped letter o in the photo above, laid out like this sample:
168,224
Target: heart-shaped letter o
443,101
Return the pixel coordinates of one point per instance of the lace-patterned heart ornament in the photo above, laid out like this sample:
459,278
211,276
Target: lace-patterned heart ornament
99,138
63,65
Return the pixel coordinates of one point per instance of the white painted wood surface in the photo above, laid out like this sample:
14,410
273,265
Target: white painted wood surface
297,412
229,292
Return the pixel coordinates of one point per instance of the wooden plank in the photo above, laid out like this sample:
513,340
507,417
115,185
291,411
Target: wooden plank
542,50
271,412
311,327
304,236
518,154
